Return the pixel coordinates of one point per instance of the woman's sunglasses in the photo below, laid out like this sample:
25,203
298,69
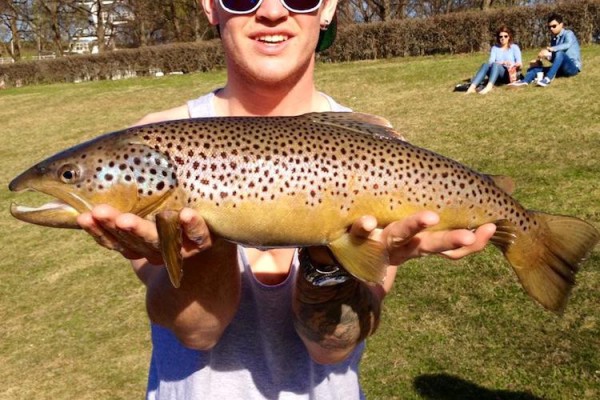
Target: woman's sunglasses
249,6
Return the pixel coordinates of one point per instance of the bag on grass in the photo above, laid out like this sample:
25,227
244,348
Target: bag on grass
513,73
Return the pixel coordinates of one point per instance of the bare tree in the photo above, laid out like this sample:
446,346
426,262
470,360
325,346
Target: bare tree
48,14
9,16
53,23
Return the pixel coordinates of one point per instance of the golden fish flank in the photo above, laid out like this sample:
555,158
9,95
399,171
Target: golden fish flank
301,181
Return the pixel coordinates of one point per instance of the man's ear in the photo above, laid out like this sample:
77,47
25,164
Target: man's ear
328,11
210,10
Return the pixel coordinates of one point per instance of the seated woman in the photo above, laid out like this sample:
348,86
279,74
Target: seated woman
503,56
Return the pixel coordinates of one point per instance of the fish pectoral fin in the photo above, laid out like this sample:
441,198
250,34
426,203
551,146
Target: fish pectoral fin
171,239
365,259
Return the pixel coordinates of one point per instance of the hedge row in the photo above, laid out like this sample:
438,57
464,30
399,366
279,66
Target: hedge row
450,33
180,57
462,32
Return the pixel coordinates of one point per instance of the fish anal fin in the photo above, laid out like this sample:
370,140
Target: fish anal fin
505,235
171,240
365,259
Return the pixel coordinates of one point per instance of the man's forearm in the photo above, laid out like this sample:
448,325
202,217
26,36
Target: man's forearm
199,311
332,320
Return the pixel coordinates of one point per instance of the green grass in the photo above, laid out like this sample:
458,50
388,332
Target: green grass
73,318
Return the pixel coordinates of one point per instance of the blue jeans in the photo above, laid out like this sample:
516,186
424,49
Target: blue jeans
494,70
561,66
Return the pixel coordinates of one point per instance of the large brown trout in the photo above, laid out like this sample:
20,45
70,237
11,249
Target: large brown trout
300,181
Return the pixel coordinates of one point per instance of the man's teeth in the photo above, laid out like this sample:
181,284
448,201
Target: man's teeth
273,38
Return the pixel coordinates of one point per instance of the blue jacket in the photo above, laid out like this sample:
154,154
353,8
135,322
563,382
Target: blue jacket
567,42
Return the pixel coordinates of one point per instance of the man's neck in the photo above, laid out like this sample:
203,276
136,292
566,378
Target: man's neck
243,98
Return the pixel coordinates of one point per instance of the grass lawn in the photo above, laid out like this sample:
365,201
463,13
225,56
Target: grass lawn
73,318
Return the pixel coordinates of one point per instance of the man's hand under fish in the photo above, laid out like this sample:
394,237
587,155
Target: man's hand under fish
137,238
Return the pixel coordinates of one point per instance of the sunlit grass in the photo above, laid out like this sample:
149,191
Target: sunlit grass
73,319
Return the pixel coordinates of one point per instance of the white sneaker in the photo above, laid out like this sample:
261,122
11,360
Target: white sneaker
518,83
544,82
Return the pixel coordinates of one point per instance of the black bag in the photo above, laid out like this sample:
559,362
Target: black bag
462,87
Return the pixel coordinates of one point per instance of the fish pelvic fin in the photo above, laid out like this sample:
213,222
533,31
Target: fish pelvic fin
365,259
171,239
547,257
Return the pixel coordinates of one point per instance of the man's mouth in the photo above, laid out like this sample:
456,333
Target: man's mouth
272,39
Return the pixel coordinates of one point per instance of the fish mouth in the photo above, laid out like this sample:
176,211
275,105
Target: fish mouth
56,213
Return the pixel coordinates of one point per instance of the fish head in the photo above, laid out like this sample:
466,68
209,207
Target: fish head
114,169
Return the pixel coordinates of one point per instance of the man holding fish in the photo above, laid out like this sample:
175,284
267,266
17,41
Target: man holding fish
251,323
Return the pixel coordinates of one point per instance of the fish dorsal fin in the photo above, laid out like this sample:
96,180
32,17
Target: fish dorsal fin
505,183
358,122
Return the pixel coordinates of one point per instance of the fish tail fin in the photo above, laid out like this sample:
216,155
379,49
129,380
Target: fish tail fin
547,257
365,259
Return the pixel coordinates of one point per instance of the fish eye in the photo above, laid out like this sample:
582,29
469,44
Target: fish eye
69,173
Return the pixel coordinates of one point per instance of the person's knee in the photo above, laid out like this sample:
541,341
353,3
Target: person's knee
558,56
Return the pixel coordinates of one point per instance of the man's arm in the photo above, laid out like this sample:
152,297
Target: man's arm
570,39
203,306
199,311
333,320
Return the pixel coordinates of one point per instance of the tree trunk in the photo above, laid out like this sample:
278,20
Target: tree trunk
100,28
175,21
16,40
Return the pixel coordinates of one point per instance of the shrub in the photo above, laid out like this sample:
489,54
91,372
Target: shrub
180,57
461,32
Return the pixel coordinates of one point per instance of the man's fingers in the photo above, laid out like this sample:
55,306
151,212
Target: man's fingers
481,236
128,234
102,237
195,229
399,233
364,226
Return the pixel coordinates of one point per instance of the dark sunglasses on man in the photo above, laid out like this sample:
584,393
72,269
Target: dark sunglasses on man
249,6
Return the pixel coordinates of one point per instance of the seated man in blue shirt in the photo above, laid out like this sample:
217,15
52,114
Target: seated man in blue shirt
563,52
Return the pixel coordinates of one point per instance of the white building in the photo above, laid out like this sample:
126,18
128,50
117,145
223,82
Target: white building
114,13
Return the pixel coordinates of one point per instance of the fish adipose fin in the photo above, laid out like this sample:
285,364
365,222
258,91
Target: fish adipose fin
171,240
505,183
365,259
547,256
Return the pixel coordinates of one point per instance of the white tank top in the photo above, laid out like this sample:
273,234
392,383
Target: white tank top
260,355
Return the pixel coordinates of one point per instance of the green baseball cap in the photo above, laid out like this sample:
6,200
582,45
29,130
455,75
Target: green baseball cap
327,36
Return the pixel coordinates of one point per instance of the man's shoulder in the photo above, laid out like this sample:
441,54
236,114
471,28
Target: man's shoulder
180,112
